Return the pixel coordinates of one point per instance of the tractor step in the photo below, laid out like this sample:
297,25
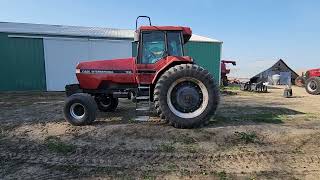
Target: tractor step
142,98
143,103
143,109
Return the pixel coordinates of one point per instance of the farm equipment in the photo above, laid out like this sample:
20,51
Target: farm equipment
311,81
255,87
183,93
225,71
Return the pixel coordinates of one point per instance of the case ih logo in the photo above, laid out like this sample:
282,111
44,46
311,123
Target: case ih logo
99,71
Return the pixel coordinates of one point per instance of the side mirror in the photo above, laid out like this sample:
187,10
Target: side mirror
136,36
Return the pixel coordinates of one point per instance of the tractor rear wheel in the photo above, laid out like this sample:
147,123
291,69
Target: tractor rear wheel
80,109
186,95
313,85
106,103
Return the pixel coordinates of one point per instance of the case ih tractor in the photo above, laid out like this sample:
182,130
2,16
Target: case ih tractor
311,80
184,94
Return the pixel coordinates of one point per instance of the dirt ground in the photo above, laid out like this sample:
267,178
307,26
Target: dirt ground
252,136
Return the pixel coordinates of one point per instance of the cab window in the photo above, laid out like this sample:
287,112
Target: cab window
153,47
174,44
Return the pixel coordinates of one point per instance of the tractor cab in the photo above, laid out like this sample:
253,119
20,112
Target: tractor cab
156,47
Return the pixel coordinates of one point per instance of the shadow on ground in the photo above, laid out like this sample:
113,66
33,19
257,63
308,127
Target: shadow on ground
253,114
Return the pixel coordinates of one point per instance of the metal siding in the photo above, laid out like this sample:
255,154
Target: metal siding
207,55
22,64
63,55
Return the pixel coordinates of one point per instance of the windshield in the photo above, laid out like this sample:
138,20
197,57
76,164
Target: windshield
174,44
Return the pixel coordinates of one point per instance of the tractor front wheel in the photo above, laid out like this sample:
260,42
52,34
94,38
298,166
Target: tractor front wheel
313,85
80,109
186,95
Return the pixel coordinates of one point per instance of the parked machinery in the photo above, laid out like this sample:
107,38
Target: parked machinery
311,81
225,71
184,94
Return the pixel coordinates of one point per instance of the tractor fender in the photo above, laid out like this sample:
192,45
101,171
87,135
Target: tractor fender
170,62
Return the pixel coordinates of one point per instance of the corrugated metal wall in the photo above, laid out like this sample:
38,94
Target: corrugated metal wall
22,64
206,54
62,56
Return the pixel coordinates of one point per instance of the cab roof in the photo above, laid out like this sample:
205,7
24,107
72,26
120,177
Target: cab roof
186,31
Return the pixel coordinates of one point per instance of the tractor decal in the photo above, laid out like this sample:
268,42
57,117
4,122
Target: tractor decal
99,71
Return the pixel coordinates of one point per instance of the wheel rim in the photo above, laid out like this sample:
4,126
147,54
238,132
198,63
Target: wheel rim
105,101
187,97
312,86
77,111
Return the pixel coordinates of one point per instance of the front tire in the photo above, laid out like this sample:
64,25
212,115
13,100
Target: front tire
313,85
186,95
80,109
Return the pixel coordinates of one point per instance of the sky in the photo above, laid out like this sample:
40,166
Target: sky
255,33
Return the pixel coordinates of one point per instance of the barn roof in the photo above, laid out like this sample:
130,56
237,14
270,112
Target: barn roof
78,31
271,66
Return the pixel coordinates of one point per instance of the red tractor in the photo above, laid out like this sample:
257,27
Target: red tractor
311,80
183,93
225,71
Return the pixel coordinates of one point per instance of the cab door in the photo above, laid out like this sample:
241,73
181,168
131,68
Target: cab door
152,50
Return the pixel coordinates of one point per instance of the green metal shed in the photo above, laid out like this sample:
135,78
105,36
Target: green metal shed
22,64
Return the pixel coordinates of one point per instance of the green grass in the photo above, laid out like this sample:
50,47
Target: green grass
54,144
148,176
166,147
247,137
2,133
184,139
172,167
230,88
264,117
192,149
222,175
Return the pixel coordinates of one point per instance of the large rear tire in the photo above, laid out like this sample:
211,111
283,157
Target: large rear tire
80,109
186,95
313,85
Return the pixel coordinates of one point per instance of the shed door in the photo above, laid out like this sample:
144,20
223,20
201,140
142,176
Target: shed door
22,64
63,55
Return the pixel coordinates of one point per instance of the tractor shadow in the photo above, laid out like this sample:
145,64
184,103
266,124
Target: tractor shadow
252,114
225,116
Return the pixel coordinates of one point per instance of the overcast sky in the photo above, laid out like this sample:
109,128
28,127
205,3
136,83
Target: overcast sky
254,32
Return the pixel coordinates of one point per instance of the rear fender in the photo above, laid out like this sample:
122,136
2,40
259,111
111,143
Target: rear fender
163,70
173,62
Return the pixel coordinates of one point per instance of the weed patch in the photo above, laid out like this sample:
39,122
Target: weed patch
54,144
184,139
247,137
167,147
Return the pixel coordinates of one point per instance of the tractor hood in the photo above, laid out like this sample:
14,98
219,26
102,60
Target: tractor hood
106,66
